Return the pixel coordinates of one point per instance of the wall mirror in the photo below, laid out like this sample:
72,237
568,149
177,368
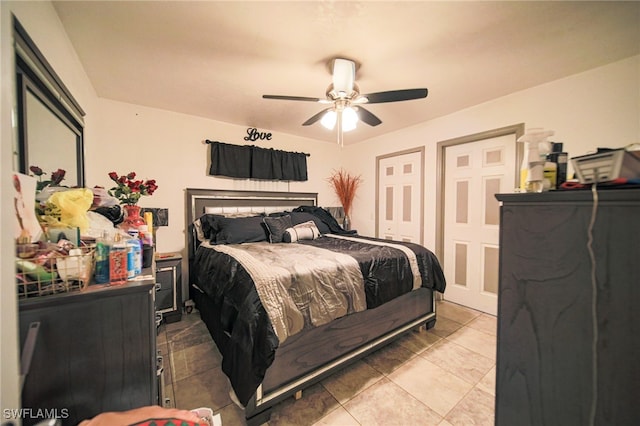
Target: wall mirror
49,120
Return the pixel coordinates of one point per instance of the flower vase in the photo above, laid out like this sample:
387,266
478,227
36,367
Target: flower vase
132,218
346,223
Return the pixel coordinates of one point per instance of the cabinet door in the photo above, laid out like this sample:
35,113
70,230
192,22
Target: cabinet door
92,354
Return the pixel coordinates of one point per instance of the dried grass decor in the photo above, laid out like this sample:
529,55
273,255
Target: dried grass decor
345,186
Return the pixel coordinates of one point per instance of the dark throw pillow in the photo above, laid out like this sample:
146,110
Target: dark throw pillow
241,230
276,227
302,217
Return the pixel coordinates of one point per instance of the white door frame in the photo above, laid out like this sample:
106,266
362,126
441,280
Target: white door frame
517,129
420,150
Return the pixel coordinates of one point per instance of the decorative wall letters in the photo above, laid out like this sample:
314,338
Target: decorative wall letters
253,135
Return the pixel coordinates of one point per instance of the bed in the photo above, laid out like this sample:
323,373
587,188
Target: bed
273,344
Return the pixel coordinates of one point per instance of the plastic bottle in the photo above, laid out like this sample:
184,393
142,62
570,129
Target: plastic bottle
118,261
563,158
535,151
145,235
134,258
148,218
136,255
102,259
550,174
560,158
147,246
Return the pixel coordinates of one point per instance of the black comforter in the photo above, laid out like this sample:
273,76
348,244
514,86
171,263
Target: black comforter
247,340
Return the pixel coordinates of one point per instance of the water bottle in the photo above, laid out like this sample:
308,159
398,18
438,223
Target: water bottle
134,258
102,259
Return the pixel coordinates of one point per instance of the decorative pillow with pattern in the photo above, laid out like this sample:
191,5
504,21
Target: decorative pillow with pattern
302,231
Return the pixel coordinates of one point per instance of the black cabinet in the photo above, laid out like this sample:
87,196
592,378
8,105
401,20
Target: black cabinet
548,370
95,351
169,289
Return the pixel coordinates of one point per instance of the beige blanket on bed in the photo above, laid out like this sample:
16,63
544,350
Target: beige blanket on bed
299,285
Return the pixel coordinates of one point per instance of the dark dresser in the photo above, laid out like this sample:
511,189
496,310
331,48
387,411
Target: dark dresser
95,351
548,372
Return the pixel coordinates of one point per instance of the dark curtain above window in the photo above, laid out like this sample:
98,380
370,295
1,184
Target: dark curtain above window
253,162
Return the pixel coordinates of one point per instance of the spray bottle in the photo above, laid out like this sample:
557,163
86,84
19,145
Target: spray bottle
536,148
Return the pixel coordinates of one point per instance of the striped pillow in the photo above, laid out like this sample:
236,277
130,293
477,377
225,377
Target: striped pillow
303,231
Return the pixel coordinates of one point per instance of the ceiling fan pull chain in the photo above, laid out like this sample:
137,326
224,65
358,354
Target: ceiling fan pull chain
339,129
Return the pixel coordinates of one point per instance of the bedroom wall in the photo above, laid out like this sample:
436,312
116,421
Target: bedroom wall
170,148
597,108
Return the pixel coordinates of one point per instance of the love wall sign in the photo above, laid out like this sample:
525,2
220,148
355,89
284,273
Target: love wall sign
253,135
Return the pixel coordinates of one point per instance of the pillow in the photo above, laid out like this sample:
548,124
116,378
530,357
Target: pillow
240,230
276,227
302,217
207,227
197,225
302,231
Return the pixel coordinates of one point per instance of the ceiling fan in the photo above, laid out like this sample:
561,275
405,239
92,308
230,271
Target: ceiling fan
346,101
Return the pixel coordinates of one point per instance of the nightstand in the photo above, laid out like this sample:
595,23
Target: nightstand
169,286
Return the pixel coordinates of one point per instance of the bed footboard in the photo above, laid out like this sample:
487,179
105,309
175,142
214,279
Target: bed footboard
315,354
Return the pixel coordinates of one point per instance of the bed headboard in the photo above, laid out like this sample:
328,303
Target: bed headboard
228,201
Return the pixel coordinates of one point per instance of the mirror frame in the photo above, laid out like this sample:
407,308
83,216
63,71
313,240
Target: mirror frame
35,75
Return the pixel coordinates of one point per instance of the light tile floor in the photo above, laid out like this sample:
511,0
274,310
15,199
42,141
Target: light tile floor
443,376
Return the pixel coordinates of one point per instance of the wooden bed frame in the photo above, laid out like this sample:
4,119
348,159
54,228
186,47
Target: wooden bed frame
310,356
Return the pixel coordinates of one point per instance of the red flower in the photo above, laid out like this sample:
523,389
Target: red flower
134,185
151,186
57,176
129,190
37,171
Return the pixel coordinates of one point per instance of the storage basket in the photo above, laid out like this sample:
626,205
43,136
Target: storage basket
45,271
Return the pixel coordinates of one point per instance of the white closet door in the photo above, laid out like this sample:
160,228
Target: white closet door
399,195
474,172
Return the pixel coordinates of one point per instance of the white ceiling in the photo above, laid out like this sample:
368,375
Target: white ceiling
216,59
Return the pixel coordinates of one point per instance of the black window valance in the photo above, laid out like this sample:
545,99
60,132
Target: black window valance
253,162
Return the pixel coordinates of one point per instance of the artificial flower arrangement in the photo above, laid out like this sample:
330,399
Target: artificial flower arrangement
345,186
58,206
56,177
46,211
128,190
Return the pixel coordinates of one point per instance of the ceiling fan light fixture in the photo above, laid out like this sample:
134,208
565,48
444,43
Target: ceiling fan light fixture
328,120
349,119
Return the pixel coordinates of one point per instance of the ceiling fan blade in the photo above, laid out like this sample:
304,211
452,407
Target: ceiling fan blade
292,98
396,95
316,117
344,75
367,116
